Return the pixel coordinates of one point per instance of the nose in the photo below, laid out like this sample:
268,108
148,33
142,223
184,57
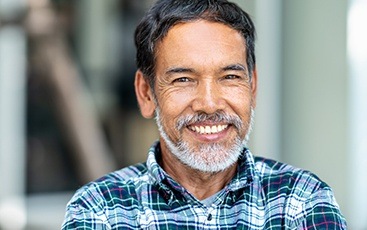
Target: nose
208,97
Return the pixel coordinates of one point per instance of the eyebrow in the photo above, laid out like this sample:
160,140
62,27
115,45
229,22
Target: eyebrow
237,67
179,70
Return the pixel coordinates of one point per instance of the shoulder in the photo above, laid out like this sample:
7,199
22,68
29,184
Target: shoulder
126,175
287,186
119,185
274,174
114,196
301,196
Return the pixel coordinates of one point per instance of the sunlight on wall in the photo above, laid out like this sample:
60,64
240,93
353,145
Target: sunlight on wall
357,57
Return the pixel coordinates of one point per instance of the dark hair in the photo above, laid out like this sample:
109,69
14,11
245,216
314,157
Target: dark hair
166,13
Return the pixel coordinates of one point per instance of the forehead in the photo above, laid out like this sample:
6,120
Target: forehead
201,41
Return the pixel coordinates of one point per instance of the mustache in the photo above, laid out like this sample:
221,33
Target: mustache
219,116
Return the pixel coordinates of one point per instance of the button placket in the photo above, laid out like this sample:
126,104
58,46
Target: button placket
210,215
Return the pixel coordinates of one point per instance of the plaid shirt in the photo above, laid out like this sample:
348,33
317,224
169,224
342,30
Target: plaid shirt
264,194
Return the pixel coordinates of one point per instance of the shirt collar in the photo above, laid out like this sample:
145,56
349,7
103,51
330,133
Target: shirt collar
245,171
152,164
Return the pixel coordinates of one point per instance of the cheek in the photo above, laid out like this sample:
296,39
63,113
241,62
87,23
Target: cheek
238,97
172,108
174,103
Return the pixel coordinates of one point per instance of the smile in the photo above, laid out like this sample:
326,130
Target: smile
208,129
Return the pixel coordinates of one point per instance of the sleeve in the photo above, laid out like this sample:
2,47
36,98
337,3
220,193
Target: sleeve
321,211
84,213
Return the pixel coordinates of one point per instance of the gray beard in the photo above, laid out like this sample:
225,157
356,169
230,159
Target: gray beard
210,158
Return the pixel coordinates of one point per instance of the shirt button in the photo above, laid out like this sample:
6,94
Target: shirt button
209,217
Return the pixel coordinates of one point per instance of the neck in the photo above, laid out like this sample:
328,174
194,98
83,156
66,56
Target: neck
199,184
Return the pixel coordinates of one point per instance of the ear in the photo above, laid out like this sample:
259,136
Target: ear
144,95
254,86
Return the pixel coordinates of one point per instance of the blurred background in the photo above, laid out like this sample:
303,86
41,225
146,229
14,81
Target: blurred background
68,112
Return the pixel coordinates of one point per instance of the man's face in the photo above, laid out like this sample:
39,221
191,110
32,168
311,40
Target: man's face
204,94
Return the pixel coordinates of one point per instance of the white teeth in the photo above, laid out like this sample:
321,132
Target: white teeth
202,129
208,129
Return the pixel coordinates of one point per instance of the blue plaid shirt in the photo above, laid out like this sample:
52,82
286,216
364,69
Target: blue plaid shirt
264,194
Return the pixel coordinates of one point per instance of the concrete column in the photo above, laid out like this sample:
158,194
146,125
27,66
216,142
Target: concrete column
12,125
267,136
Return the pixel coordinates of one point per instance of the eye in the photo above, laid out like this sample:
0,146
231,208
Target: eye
231,77
237,77
181,80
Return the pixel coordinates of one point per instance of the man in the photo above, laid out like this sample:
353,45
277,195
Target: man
197,76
